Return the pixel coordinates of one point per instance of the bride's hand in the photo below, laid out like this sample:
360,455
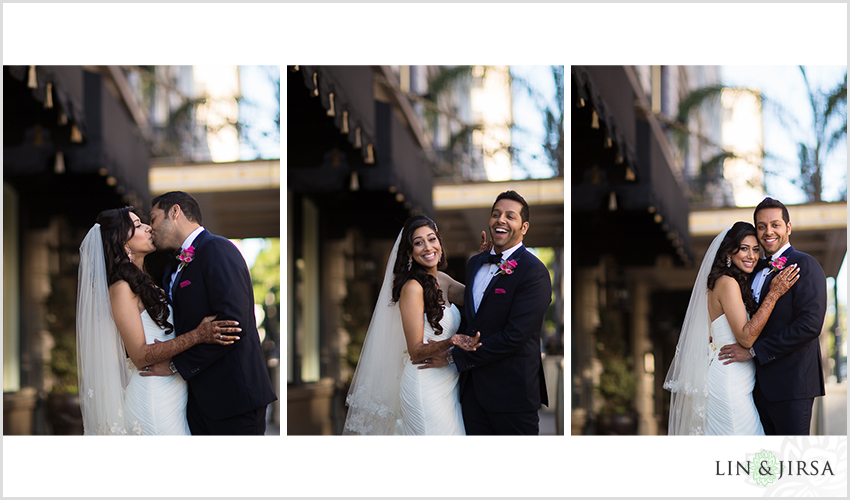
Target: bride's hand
212,332
486,245
785,280
466,342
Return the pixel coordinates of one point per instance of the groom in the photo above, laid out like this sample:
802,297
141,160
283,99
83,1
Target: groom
789,374
507,293
229,386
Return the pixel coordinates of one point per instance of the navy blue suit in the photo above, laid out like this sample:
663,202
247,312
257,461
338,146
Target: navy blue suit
789,374
225,382
505,375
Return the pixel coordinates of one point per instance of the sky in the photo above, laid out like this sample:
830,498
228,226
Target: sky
785,85
258,112
529,121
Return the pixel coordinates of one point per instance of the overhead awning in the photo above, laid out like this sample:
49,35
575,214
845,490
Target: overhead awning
352,151
70,141
345,92
50,96
625,198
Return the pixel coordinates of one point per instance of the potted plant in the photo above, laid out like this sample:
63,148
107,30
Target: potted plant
617,383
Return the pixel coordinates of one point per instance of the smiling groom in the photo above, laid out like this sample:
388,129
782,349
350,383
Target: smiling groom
789,372
508,291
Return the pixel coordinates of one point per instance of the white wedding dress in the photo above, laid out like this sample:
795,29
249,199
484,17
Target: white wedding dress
156,405
729,408
430,402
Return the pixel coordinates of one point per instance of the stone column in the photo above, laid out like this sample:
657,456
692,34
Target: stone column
642,344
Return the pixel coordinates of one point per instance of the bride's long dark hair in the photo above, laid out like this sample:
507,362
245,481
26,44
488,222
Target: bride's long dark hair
431,291
116,229
731,244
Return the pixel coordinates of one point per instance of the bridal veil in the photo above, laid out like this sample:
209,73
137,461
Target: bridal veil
373,399
686,379
102,367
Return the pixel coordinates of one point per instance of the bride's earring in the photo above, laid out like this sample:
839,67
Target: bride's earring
409,263
728,261
129,255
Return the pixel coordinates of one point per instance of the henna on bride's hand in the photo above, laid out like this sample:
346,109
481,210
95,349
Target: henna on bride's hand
466,342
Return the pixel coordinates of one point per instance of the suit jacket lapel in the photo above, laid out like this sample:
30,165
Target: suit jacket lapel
765,287
199,240
517,256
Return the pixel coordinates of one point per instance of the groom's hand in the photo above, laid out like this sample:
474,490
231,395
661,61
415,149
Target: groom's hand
732,353
436,361
160,369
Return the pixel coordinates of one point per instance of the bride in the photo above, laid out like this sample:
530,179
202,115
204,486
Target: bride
710,396
121,313
415,310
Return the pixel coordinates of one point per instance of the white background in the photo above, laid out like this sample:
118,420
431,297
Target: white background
760,34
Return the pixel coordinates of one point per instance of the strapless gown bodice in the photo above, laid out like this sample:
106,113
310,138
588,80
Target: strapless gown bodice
430,402
156,405
730,409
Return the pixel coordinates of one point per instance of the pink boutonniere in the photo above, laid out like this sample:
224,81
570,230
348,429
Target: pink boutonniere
777,264
186,256
507,267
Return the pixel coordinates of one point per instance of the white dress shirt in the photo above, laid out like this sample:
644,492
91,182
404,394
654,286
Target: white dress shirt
186,244
758,281
486,273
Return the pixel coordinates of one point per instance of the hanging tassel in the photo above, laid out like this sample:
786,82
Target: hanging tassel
354,185
370,155
612,202
59,163
331,111
344,128
594,121
48,102
32,82
315,84
76,136
62,120
357,143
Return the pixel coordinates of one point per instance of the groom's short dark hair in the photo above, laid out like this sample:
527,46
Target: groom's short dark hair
185,201
513,195
771,203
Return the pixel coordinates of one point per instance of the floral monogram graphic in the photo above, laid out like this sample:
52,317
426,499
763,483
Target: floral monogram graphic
186,256
764,466
507,267
777,264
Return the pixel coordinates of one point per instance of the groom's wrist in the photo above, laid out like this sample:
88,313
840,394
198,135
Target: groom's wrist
752,351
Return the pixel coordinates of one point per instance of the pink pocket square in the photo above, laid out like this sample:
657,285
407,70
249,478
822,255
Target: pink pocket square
187,283
500,290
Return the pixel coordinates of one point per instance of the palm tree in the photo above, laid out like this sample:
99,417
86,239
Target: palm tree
829,112
459,149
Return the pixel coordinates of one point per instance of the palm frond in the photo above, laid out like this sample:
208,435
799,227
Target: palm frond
446,78
837,98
